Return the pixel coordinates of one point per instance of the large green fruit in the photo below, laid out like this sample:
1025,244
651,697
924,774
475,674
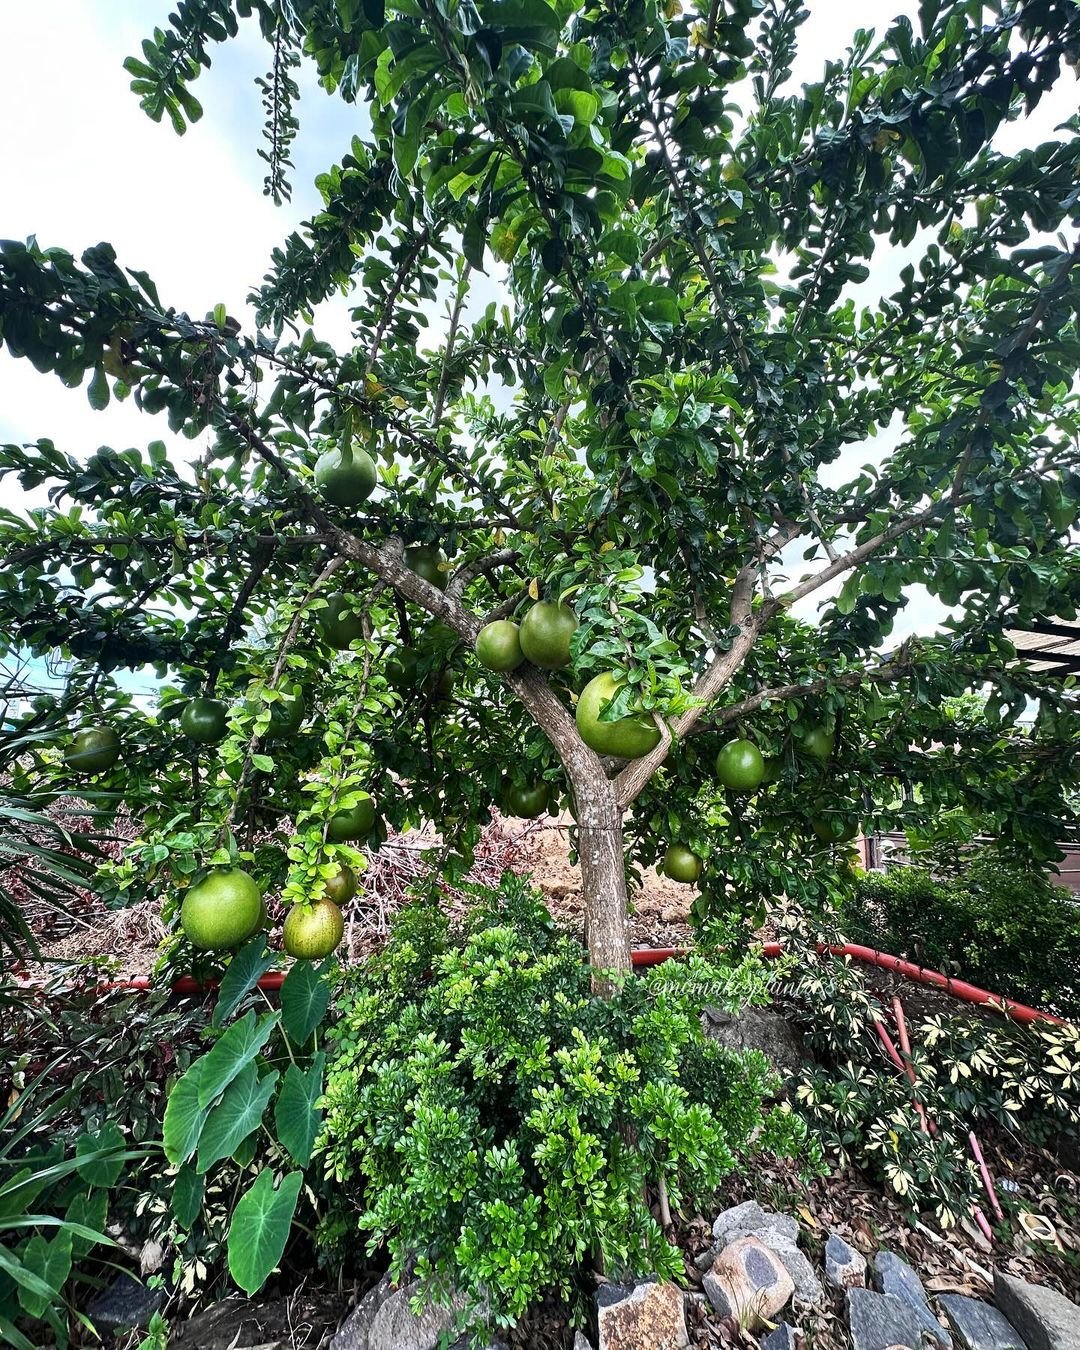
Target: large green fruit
498,645
834,829
815,741
680,864
345,482
355,822
204,720
740,767
341,626
341,887
527,800
626,737
222,911
401,669
545,634
287,718
93,750
427,562
313,931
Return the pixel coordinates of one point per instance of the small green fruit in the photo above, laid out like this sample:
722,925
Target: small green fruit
355,822
222,910
345,482
340,625
834,829
815,741
313,931
204,720
498,645
427,562
527,800
680,864
93,750
740,767
341,887
545,634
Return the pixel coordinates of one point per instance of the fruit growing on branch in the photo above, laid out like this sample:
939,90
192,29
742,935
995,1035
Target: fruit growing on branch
498,646
345,475
204,720
626,737
740,766
313,931
681,863
222,910
93,750
545,634
354,822
341,887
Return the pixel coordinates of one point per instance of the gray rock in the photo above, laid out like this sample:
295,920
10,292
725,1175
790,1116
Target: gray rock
893,1275
1046,1319
383,1320
581,1341
979,1326
646,1316
845,1268
756,1029
353,1332
882,1321
748,1220
808,1288
783,1338
748,1282
125,1302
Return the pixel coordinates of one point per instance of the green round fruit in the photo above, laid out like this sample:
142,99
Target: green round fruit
344,483
313,931
438,685
93,750
545,634
341,887
340,625
204,720
527,800
680,864
401,669
286,719
355,822
740,767
815,741
498,645
426,562
834,829
263,921
222,910
627,737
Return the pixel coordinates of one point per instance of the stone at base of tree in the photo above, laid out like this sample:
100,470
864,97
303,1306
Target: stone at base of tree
748,1282
845,1268
749,1219
383,1320
779,1232
581,1341
646,1316
1046,1319
882,1321
893,1275
125,1302
785,1337
757,1029
979,1326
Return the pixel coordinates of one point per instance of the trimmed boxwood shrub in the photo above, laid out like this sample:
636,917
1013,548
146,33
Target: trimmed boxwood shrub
1005,927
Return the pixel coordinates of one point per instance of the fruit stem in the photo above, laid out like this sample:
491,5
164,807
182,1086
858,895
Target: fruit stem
345,448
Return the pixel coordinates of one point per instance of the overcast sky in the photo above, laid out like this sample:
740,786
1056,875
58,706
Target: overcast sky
80,163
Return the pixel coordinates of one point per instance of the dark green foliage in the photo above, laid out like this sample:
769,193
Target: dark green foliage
1005,927
489,1115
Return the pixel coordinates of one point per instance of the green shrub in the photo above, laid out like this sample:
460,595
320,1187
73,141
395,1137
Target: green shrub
498,1124
1005,927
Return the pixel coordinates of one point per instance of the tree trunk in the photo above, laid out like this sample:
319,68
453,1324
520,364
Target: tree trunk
603,872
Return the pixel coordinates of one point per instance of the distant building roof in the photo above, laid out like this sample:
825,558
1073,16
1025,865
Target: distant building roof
1051,645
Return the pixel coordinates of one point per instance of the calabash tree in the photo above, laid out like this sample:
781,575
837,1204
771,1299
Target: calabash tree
656,427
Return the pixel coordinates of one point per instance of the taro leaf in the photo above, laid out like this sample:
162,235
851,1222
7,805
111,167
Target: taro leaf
89,1209
244,1153
187,1196
101,1171
184,1117
304,997
250,963
260,1228
51,1263
295,1116
236,1115
238,1047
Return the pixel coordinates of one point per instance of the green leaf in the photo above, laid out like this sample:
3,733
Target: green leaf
304,998
248,965
295,1115
105,1171
238,1047
184,1116
236,1115
187,1195
51,1262
88,1209
260,1228
24,1278
13,1336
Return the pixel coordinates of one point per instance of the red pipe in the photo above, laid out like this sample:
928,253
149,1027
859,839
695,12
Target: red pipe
969,993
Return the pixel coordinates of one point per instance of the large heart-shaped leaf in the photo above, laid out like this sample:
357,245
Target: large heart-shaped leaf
260,1228
89,1210
236,1115
295,1116
304,998
184,1117
239,1046
104,1169
187,1195
51,1263
247,966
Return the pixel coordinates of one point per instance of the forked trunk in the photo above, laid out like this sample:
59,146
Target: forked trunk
603,874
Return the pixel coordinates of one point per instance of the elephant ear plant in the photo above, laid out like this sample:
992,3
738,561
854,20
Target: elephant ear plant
499,1127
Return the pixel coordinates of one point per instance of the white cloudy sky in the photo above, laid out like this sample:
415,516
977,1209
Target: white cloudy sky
80,163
